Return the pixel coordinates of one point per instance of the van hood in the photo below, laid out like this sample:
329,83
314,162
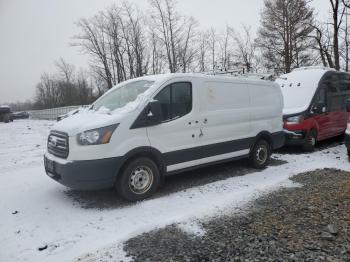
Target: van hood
298,89
86,120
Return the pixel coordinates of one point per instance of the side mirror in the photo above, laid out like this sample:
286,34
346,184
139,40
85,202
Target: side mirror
319,108
154,112
348,105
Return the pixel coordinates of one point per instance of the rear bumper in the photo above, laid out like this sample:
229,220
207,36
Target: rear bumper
84,175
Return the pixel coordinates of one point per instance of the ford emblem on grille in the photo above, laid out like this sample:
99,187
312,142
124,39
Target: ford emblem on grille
53,140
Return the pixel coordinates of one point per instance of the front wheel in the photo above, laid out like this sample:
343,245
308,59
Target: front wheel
139,179
260,154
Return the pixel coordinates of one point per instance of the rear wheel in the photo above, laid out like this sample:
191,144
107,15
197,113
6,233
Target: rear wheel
260,154
310,141
139,179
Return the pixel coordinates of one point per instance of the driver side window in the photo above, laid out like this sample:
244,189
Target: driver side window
175,100
319,104
321,96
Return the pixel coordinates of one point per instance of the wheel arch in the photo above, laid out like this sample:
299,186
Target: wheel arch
313,126
262,135
148,152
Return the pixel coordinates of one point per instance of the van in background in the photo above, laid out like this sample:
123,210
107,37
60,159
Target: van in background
314,105
5,114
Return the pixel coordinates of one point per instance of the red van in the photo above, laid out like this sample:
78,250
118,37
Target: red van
314,105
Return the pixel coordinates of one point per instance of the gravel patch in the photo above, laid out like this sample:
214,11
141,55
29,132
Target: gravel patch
308,223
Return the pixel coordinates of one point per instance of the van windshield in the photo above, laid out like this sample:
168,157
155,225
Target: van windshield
122,95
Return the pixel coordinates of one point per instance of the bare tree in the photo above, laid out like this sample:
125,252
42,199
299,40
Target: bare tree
63,88
176,32
94,41
135,40
187,48
157,56
167,22
203,47
345,45
337,16
224,49
246,46
323,44
65,69
213,47
285,26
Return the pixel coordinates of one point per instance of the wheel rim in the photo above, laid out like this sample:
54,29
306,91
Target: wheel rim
141,180
313,141
261,154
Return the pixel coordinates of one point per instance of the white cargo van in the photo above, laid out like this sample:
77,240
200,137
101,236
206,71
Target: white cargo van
146,128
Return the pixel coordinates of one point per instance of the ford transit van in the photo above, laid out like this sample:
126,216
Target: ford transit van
314,105
146,128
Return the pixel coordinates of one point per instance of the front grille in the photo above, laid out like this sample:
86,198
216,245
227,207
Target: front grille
57,144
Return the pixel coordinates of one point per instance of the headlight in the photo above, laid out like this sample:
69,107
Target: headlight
96,136
294,119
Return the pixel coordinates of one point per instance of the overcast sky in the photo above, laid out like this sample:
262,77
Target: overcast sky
35,33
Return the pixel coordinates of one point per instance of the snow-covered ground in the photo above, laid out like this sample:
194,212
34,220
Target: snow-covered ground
36,212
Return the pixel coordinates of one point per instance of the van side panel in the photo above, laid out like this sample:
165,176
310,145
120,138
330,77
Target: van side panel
225,115
225,112
266,108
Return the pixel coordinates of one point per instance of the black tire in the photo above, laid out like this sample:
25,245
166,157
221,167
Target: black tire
260,154
310,141
349,152
139,179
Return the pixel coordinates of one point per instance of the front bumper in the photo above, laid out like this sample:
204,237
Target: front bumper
84,175
295,137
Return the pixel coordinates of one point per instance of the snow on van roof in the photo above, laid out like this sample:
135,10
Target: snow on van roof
251,78
313,68
299,87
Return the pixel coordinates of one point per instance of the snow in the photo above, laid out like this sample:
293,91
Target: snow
192,227
299,87
85,120
36,211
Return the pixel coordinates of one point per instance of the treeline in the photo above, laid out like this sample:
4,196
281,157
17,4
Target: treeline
65,87
124,42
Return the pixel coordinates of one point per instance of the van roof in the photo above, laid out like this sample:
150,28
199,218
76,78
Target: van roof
166,77
299,87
